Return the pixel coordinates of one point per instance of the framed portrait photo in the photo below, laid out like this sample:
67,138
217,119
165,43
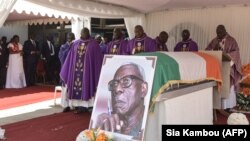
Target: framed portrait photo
123,96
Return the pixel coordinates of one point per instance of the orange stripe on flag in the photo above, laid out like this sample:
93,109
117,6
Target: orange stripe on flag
213,67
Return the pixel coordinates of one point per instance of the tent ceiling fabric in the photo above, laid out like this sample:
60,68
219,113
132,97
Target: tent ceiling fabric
187,4
5,7
143,6
87,8
15,16
36,21
128,8
35,9
25,12
30,10
147,6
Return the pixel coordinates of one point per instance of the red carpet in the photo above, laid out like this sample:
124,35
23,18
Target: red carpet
10,98
57,127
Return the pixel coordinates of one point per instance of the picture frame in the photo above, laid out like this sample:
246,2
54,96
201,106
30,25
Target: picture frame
107,90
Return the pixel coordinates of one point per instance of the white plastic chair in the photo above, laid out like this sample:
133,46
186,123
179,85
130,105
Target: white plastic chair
57,89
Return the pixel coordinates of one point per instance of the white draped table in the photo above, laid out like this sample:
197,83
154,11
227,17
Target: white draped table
188,105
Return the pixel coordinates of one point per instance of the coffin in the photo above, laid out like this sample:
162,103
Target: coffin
183,90
182,68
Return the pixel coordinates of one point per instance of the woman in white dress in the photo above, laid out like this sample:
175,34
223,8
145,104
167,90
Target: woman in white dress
15,72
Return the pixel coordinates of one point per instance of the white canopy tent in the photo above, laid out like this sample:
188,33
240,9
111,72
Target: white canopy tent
39,14
199,16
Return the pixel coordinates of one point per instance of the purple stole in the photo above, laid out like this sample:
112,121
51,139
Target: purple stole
160,46
143,44
81,69
188,45
185,46
139,45
115,47
78,68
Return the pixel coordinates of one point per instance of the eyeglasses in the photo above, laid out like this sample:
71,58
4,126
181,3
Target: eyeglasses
125,82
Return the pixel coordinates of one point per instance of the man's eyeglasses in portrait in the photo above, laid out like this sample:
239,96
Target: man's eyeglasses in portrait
125,82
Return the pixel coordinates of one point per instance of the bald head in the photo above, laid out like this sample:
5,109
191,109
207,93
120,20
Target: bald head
70,37
185,35
221,31
128,89
163,37
117,33
131,69
85,33
139,32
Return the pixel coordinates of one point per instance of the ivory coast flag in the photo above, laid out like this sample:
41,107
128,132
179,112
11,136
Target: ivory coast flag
182,67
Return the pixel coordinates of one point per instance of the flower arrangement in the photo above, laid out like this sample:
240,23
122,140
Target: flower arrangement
246,69
243,97
93,135
243,101
246,80
245,91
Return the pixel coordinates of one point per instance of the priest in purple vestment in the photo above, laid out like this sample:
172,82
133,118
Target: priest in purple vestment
64,49
141,42
81,71
161,41
118,45
63,52
228,45
187,44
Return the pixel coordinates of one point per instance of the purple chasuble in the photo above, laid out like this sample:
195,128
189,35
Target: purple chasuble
160,46
232,49
81,69
144,44
118,47
188,45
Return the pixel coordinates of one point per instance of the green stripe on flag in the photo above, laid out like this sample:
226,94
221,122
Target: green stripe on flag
166,69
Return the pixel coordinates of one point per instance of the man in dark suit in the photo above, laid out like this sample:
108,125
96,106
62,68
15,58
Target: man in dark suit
49,54
3,61
31,54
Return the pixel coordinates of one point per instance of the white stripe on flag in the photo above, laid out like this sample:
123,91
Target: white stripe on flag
191,65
